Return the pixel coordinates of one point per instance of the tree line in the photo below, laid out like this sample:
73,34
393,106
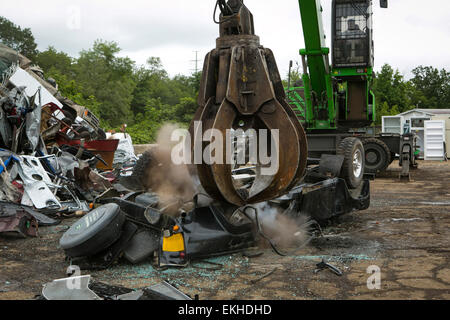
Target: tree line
429,88
119,91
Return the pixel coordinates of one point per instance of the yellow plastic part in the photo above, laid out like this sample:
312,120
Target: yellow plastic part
174,243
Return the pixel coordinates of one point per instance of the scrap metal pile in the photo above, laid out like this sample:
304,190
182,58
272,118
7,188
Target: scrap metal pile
53,155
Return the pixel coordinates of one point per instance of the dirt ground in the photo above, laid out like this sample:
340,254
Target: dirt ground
405,233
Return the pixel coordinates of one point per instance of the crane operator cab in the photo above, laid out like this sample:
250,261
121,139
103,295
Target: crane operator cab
352,35
353,61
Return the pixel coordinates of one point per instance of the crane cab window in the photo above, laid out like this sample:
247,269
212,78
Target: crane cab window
351,22
352,34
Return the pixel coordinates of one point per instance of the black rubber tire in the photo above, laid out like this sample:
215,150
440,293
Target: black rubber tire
348,148
83,133
377,155
93,233
139,179
71,114
101,135
68,121
141,169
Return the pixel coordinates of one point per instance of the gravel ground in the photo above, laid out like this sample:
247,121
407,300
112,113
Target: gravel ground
405,233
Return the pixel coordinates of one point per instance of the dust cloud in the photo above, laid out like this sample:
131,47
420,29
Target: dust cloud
284,230
171,182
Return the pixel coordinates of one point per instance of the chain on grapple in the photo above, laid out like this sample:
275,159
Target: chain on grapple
241,88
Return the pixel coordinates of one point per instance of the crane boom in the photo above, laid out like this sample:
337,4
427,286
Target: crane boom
316,66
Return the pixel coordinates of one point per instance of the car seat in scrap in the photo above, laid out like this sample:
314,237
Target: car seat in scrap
241,88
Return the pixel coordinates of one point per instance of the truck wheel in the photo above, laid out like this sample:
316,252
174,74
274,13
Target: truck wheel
353,167
377,155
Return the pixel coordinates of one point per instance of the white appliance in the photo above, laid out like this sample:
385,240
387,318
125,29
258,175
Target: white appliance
393,124
434,140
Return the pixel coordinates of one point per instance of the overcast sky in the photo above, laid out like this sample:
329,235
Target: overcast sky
408,34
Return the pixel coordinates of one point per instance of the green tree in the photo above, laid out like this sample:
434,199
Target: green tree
73,91
185,110
194,82
147,125
151,83
52,59
295,75
21,40
108,78
390,87
385,110
432,86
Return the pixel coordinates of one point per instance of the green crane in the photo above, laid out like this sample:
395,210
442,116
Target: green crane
334,100
336,96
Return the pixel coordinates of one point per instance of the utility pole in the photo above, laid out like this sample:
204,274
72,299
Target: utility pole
196,61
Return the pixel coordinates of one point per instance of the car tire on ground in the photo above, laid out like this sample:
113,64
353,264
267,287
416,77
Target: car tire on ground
377,155
353,167
94,233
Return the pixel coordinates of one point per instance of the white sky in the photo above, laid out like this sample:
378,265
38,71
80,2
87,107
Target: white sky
408,34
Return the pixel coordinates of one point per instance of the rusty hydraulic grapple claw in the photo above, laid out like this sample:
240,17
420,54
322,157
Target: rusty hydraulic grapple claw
241,88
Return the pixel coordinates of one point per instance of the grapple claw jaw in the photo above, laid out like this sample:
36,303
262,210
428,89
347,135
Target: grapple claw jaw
241,88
